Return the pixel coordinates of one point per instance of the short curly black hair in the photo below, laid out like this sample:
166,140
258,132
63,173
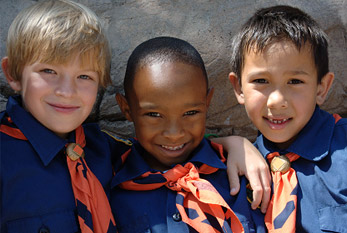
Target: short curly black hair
161,49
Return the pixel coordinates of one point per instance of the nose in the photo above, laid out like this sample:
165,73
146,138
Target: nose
174,130
65,86
277,99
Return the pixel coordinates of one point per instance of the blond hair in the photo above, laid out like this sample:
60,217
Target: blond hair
52,32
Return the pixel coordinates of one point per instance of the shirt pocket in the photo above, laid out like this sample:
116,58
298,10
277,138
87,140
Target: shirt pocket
333,218
138,224
57,222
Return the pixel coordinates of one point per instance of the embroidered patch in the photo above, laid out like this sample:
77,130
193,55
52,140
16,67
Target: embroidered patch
125,141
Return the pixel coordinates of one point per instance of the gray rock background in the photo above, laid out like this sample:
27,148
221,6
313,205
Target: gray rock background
207,24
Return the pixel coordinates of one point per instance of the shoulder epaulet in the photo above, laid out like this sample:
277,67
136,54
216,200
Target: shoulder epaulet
125,141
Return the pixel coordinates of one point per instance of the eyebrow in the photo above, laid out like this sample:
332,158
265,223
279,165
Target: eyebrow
147,105
52,66
292,72
296,72
150,106
192,105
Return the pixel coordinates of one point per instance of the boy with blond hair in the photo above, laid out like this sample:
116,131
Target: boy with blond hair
281,74
58,57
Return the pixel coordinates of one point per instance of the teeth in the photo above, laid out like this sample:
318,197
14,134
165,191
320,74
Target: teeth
173,148
278,121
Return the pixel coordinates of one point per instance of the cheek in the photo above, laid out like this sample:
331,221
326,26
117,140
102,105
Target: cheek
196,127
32,87
304,106
91,101
89,96
32,93
254,101
145,129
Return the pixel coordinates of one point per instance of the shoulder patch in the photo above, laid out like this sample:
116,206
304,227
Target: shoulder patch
125,141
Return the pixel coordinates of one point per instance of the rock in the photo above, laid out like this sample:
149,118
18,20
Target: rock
209,26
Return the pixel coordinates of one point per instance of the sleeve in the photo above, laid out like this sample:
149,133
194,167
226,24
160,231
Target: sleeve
118,147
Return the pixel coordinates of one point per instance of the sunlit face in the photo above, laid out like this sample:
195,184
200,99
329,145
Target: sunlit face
279,90
59,96
168,107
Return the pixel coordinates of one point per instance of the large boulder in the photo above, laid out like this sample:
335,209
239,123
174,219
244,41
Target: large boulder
209,26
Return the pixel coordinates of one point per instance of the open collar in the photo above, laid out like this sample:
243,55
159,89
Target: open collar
135,165
313,141
45,142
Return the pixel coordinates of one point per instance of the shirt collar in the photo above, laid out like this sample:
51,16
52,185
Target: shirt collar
45,142
313,141
135,165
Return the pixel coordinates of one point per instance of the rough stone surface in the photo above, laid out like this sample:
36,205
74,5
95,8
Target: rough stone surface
209,26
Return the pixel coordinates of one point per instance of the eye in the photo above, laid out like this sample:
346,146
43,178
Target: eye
191,113
83,76
259,80
295,81
48,71
153,114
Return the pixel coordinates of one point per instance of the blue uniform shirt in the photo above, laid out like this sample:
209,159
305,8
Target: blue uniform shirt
155,210
321,173
36,193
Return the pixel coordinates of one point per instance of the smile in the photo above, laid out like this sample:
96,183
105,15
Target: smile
278,121
173,148
64,108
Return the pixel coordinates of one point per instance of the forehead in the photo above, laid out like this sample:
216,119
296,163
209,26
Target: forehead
276,47
280,55
169,75
168,80
86,58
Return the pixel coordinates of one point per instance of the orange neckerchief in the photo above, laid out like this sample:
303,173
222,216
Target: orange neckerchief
93,208
94,211
192,193
281,213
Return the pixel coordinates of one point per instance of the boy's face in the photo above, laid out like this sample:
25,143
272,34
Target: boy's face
168,107
59,96
279,89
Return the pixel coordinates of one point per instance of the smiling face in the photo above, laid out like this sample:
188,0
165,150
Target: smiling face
279,89
168,107
60,97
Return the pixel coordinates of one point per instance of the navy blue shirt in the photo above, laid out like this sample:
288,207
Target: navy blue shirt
321,173
155,210
36,193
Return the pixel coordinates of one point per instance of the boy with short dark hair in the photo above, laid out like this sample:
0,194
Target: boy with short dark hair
281,74
172,179
54,170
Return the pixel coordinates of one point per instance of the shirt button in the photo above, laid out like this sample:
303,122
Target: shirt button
176,217
44,229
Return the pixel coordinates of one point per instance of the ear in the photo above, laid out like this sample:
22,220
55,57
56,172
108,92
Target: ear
124,106
323,87
14,84
237,88
209,96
